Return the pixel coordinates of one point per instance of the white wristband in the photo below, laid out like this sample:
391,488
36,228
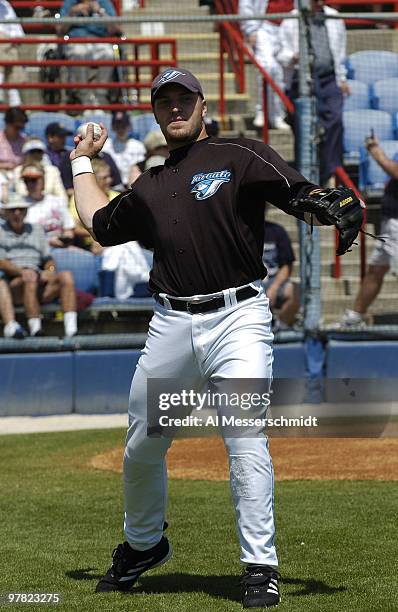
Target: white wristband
81,165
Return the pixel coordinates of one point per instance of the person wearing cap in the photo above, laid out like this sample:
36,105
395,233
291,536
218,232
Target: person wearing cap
12,139
34,151
202,214
156,150
123,148
58,153
30,271
56,135
45,209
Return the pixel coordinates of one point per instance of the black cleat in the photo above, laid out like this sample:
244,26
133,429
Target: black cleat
260,587
129,564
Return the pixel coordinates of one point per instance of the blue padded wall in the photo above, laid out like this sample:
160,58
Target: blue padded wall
362,371
32,385
102,380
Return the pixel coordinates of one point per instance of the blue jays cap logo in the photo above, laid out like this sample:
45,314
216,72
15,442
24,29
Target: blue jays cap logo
169,75
206,184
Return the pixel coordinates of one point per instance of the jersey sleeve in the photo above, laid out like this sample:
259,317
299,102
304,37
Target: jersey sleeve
122,220
271,178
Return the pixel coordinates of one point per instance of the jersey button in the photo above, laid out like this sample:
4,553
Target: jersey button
175,170
181,251
174,194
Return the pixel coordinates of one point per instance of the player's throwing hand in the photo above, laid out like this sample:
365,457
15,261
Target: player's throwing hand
87,146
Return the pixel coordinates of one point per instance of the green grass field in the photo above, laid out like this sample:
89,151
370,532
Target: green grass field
337,541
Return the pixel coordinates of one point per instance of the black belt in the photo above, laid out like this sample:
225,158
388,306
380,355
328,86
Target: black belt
193,306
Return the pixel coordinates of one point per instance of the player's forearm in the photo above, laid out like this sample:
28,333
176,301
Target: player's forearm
88,198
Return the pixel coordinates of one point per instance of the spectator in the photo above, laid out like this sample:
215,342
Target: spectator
263,37
9,51
47,210
328,40
156,150
104,179
125,150
89,51
57,151
278,258
12,329
59,155
11,139
385,254
34,151
30,270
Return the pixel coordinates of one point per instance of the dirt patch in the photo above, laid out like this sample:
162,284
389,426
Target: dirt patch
293,458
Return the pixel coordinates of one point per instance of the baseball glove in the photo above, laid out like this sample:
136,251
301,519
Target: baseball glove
339,207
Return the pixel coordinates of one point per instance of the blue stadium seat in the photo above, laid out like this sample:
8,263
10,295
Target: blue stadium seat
38,121
142,124
82,264
372,177
373,65
1,121
357,126
359,97
384,95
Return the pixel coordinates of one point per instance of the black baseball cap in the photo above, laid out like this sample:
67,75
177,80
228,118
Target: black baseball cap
57,129
176,75
121,118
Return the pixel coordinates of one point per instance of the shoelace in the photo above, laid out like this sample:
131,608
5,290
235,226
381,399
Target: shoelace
257,575
119,559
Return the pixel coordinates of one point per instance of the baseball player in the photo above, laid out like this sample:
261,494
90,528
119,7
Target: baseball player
202,214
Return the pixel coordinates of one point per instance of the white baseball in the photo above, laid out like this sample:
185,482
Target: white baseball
82,130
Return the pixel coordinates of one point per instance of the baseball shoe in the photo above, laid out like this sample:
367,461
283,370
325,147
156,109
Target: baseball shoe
260,587
129,564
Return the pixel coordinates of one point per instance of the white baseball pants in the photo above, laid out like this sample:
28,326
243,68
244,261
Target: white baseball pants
232,342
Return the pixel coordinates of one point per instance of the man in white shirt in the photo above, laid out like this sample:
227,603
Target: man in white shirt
328,40
263,36
47,210
10,52
125,150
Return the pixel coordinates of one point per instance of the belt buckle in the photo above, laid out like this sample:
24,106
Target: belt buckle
194,301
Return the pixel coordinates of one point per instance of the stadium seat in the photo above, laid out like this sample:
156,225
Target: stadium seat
36,126
1,122
82,264
373,65
359,97
384,95
142,124
372,177
357,126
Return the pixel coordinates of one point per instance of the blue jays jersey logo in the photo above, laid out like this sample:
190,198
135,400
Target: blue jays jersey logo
206,184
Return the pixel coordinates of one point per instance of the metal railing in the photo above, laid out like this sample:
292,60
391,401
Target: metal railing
154,63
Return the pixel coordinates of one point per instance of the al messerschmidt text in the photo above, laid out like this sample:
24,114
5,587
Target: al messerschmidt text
232,421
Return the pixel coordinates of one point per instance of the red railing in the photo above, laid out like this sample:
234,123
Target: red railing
343,179
155,63
231,42
52,4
